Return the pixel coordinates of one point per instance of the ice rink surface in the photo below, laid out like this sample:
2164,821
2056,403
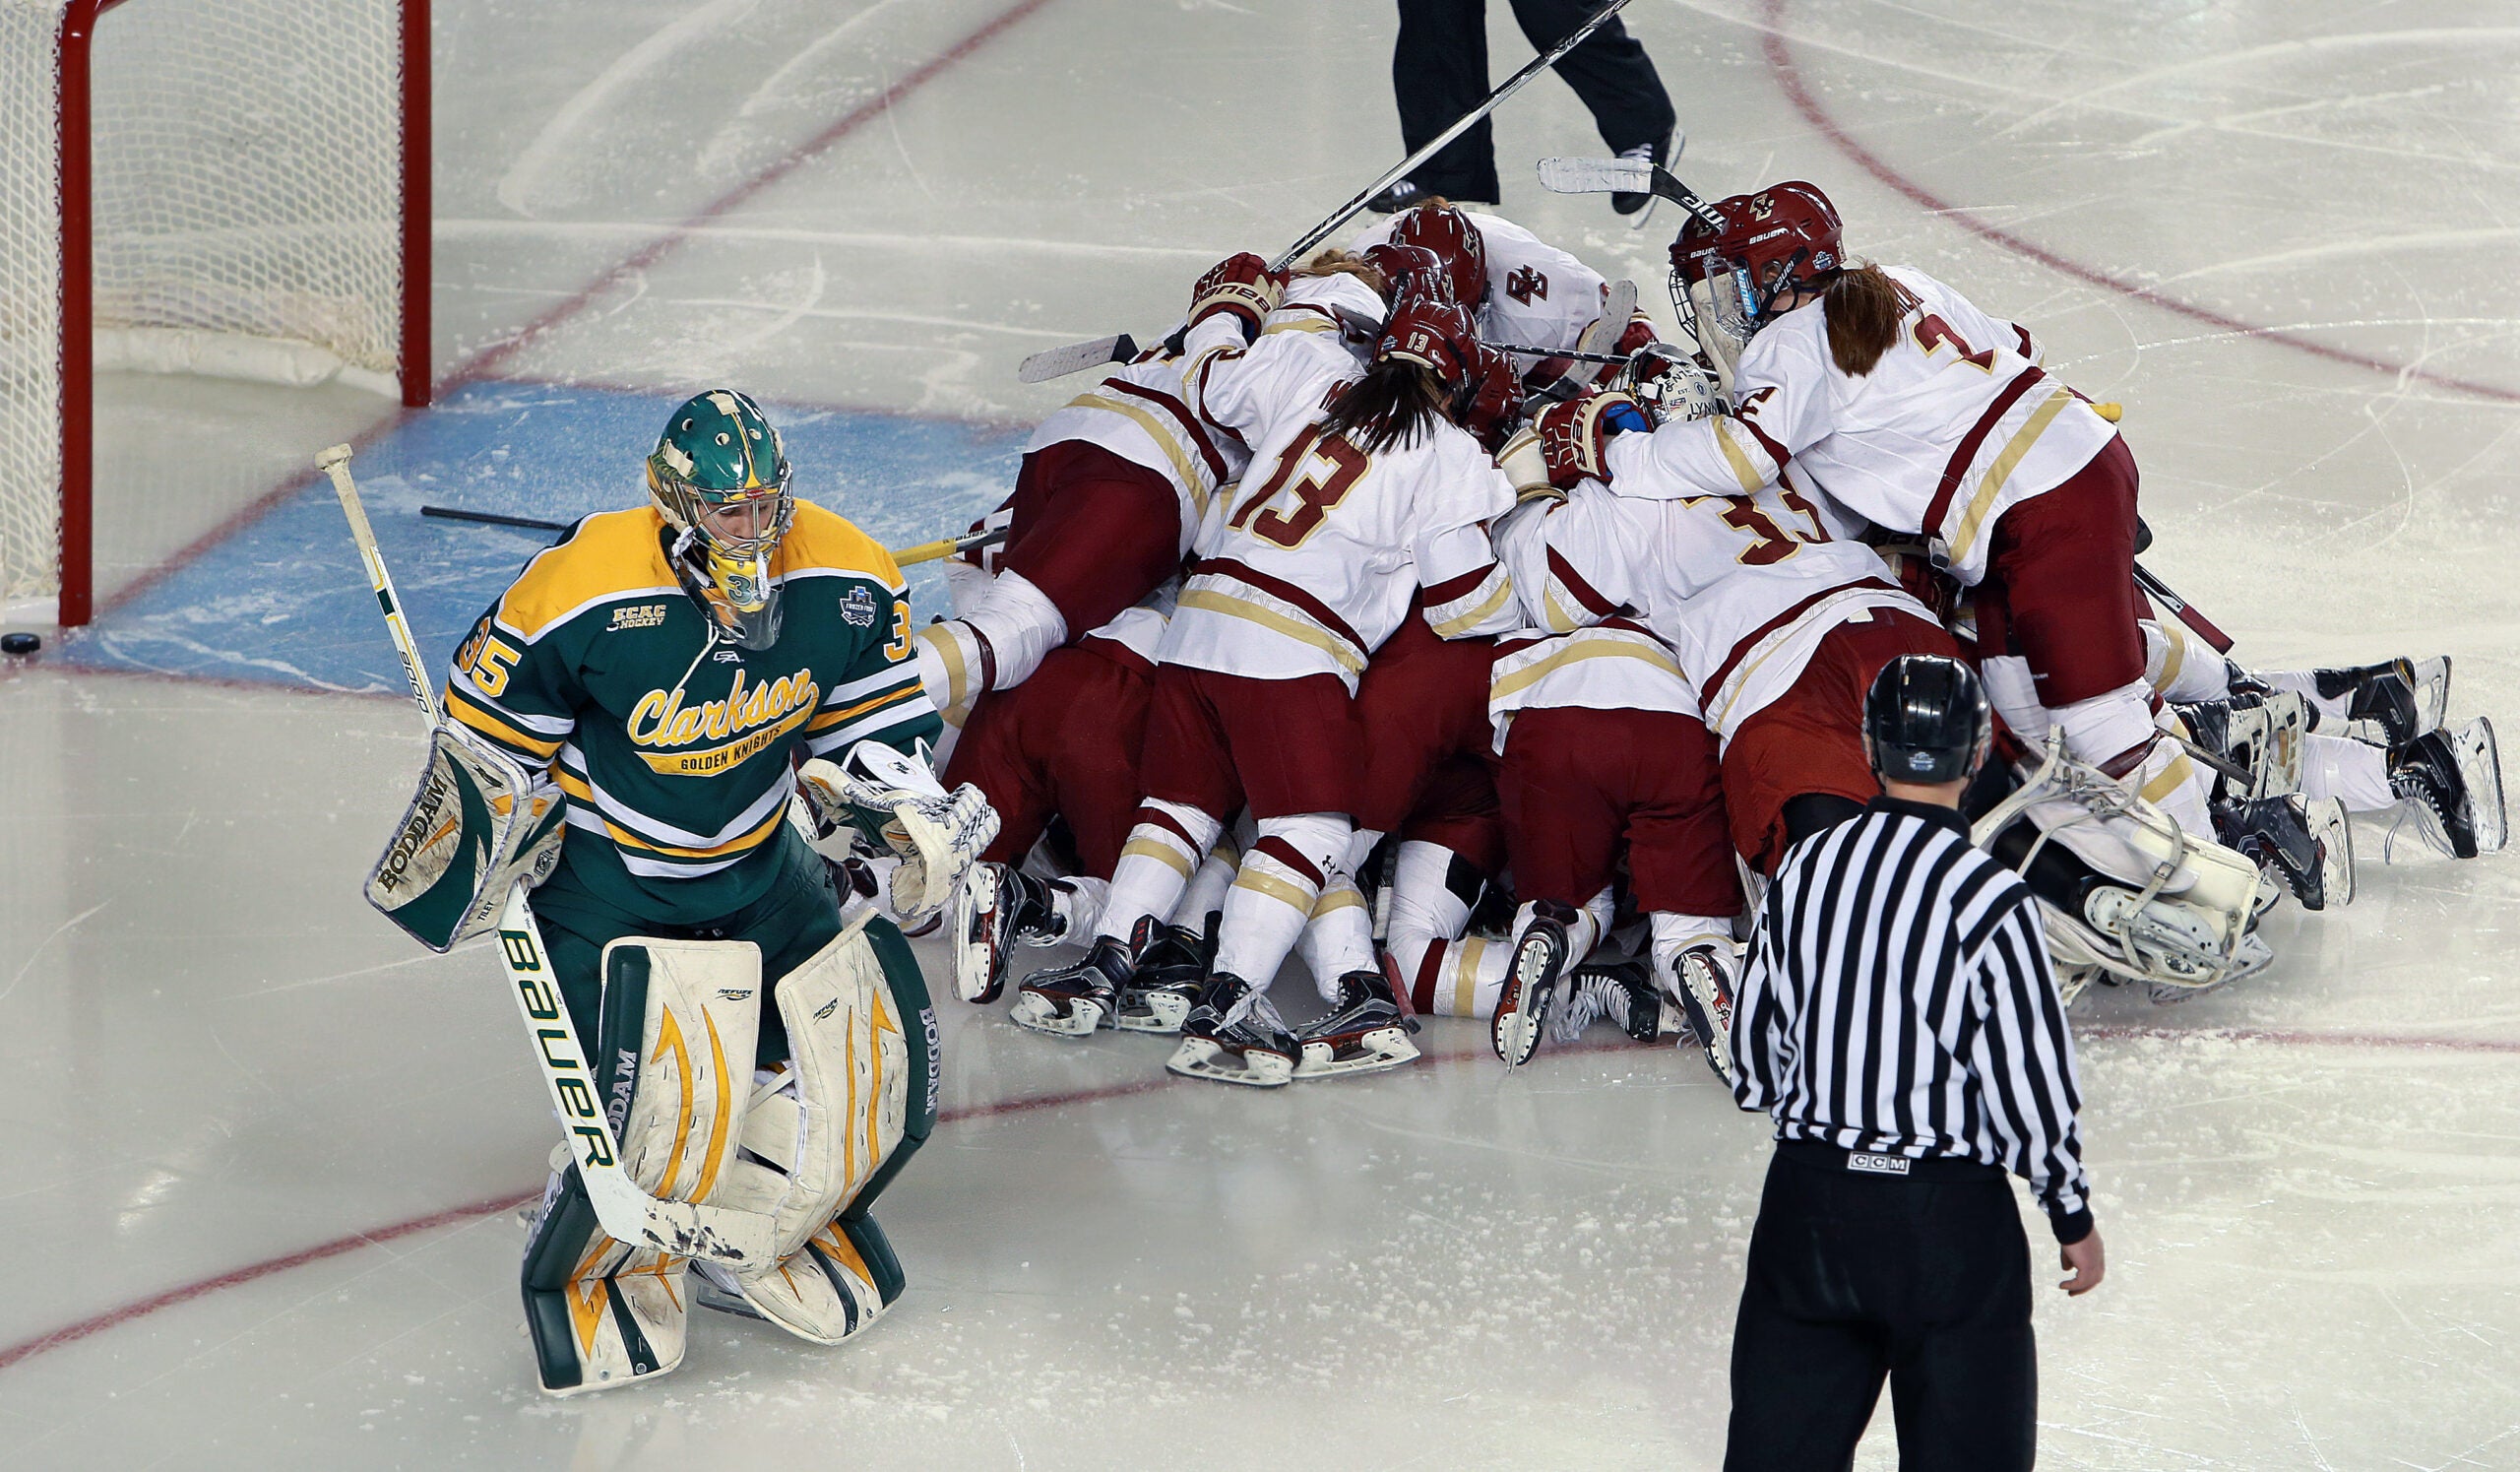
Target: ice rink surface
263,1155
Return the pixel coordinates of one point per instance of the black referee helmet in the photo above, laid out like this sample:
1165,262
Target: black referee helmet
1925,721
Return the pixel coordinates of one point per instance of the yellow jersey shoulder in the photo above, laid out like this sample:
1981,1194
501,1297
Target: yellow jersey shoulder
820,540
611,555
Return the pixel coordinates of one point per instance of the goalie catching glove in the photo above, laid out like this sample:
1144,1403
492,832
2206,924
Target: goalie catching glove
895,800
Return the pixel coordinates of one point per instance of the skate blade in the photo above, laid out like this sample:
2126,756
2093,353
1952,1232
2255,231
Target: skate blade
1037,1013
2335,833
979,964
1383,1047
1163,1014
1199,1058
2481,764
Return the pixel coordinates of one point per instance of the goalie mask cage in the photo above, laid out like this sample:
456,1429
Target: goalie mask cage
236,188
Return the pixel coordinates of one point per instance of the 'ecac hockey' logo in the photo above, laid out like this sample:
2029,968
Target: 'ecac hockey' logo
1525,285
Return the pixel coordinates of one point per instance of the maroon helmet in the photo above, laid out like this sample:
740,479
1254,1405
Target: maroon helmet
1436,333
1783,238
1447,232
1407,270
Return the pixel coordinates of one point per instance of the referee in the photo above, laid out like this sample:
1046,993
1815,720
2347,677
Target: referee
1899,1020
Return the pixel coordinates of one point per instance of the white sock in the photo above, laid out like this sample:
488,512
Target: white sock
1339,937
1155,866
2354,773
1274,891
1022,626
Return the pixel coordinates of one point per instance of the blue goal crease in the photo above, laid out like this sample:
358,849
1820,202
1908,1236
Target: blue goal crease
283,601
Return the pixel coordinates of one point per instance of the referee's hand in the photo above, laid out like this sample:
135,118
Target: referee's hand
2087,1261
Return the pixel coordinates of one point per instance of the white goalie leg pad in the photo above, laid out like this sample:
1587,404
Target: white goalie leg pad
602,1314
2173,909
1020,625
816,1132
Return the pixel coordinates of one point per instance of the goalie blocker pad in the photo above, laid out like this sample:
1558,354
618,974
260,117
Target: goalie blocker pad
824,1135
477,823
672,1057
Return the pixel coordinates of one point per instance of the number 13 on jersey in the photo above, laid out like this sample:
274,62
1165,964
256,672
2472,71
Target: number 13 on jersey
1313,475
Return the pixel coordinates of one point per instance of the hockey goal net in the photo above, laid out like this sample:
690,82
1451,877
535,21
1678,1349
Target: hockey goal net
230,187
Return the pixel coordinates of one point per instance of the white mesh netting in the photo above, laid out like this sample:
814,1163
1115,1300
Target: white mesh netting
247,200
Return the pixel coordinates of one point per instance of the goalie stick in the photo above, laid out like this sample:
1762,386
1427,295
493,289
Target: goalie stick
1058,363
628,1214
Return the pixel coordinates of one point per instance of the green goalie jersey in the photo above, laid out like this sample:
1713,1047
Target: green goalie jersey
674,747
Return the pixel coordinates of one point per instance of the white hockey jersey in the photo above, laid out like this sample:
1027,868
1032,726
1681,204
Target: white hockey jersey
1537,296
1313,564
1138,415
1742,588
1615,664
1956,425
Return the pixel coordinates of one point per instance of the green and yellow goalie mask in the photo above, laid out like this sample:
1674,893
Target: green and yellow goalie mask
720,475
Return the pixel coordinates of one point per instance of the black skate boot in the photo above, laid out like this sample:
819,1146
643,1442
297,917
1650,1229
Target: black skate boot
1234,1036
1531,985
1365,1033
996,906
2453,781
2310,851
1170,970
2382,694
1704,985
1641,206
1623,992
1072,1001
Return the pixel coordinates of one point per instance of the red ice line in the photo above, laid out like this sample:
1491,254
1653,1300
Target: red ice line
115,1317
1789,76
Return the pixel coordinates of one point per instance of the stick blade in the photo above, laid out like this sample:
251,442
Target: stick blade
1597,175
1076,357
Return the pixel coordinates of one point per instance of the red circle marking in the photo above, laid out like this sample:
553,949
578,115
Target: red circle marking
1789,77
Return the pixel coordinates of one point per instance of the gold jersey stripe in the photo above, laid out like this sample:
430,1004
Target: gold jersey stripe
472,714
1965,535
1295,628
2172,778
1192,471
1591,647
1455,627
1738,458
897,695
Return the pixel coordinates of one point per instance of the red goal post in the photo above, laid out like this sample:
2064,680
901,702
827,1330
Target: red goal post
239,188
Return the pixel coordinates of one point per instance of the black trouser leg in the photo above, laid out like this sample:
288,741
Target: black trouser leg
1807,1369
1609,71
1439,72
1851,1276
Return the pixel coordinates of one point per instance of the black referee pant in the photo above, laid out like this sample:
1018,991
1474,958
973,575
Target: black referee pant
1924,1278
1439,71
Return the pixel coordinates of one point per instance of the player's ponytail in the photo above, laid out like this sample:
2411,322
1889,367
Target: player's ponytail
1864,305
1394,403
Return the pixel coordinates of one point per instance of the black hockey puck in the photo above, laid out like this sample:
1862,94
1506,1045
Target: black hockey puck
20,643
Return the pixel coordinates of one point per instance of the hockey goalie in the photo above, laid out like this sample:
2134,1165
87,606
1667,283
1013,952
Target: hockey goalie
627,727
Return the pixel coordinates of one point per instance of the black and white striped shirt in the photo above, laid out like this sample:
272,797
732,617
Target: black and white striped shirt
1898,1000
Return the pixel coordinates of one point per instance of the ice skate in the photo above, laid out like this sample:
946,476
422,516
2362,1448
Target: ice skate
2298,842
2452,784
1072,1001
1234,1036
1530,986
1365,1034
995,906
1624,992
1158,995
1705,988
2381,700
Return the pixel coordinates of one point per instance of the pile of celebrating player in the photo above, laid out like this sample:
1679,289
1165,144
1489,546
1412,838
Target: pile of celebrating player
1418,572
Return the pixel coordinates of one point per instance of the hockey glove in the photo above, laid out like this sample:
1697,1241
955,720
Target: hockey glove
1575,437
896,801
1242,286
1490,399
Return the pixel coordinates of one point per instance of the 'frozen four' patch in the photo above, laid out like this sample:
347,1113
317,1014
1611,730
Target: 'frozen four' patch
858,608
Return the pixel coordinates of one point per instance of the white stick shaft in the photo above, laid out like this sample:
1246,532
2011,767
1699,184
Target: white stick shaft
335,463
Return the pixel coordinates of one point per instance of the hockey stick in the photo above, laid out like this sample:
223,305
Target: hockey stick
2188,615
1057,362
1625,177
627,1213
926,551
